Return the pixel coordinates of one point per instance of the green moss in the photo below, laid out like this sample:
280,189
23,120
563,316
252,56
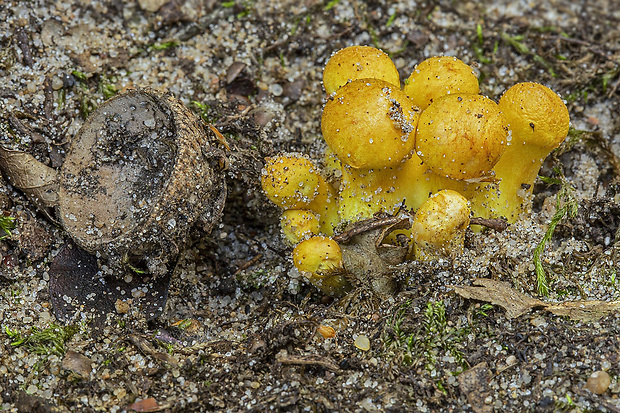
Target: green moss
478,46
45,343
204,111
7,223
330,5
433,338
163,45
106,86
517,43
566,206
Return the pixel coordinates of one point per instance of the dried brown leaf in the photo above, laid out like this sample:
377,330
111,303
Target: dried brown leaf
369,261
516,304
584,310
499,293
145,405
38,181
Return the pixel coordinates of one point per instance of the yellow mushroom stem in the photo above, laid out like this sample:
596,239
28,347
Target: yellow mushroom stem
539,122
299,224
439,226
319,259
364,192
293,182
331,165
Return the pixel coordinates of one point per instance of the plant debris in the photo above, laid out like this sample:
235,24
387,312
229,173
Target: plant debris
517,304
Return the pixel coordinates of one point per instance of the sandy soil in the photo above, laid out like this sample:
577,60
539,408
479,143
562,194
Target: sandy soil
241,330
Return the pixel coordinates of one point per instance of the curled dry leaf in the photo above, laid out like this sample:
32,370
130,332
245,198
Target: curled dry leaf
38,181
584,310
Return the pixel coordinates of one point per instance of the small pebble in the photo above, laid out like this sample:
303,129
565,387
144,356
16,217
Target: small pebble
77,363
122,307
510,360
598,382
57,83
276,89
362,342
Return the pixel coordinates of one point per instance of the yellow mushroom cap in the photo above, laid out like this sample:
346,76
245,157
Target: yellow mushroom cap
438,76
439,225
290,181
298,224
461,136
536,114
317,256
358,62
320,260
370,123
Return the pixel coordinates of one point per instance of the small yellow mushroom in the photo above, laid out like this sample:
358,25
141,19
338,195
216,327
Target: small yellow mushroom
370,123
320,260
299,224
539,122
293,182
439,226
358,62
439,76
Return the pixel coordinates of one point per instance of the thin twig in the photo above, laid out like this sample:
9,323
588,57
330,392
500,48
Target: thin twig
248,263
309,360
371,224
496,224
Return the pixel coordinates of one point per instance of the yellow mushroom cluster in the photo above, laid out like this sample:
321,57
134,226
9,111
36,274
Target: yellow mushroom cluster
435,146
